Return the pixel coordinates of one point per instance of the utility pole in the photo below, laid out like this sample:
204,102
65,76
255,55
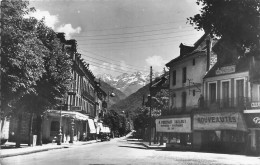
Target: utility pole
151,79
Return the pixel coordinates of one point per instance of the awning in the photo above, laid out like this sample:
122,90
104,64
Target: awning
92,126
70,114
219,121
105,129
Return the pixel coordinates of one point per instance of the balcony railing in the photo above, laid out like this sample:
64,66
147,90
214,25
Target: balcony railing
237,104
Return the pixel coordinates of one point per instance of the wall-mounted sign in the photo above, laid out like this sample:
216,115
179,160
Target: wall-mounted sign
216,121
174,125
253,120
255,104
226,70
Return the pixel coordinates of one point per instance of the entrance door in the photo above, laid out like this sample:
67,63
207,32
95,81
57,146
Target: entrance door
225,94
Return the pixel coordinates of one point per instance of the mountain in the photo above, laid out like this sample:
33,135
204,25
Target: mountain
109,89
128,83
135,100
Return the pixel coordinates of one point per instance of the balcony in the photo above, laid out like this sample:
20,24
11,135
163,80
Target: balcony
88,96
230,104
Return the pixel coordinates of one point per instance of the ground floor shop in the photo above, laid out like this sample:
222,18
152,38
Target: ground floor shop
73,126
253,123
219,132
175,131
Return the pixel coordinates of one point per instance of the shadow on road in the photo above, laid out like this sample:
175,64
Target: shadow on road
133,147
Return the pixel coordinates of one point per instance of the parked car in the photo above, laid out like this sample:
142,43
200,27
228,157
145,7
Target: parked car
104,137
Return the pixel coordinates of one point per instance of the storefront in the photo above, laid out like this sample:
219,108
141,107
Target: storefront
253,122
73,126
221,132
177,130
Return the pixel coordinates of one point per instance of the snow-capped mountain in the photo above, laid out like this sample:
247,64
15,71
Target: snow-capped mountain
127,83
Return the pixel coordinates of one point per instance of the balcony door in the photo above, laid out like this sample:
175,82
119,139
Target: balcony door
240,92
225,94
212,92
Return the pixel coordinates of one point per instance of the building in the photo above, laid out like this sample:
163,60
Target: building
186,88
80,107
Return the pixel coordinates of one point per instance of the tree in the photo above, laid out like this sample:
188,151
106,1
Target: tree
22,57
55,81
22,53
234,21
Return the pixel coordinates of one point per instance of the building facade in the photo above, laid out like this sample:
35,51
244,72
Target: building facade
186,88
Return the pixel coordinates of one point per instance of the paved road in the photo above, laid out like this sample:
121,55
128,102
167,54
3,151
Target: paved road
120,151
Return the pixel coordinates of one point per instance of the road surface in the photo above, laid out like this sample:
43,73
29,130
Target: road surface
121,151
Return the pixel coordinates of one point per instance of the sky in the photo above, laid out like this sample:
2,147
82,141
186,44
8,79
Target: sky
122,36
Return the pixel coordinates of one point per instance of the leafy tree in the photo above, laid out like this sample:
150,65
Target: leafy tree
22,54
232,20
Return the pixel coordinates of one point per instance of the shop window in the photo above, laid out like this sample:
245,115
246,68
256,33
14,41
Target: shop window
55,126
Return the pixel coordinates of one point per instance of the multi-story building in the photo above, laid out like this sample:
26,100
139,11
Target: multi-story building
79,112
229,97
186,82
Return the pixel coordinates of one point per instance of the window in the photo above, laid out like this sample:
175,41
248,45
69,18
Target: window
193,62
240,91
194,92
225,93
212,92
174,77
184,100
173,100
55,126
184,75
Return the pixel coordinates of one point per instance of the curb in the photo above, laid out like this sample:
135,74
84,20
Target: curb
45,149
30,152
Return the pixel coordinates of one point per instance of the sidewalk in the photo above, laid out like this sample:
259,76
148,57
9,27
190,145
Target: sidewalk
8,149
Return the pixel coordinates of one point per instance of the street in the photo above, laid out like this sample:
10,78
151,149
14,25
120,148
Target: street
123,151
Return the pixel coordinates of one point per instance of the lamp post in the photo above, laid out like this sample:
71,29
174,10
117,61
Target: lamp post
60,132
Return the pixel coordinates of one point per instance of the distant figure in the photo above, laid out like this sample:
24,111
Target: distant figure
201,101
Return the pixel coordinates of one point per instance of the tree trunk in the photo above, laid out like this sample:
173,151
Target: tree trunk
18,131
39,130
30,130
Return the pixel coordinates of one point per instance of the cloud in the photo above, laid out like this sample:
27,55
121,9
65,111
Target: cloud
50,20
68,30
123,65
156,61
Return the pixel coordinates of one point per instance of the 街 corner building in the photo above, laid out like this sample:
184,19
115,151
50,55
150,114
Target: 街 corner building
214,100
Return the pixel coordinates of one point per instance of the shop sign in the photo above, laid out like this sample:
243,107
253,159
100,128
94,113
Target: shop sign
255,104
226,70
253,120
174,125
215,121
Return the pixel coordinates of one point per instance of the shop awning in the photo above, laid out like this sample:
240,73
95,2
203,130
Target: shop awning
69,114
92,126
219,121
105,129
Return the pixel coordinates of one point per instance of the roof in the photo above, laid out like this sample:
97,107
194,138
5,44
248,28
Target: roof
187,51
241,65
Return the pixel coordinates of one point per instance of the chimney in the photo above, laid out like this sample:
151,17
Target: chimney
208,43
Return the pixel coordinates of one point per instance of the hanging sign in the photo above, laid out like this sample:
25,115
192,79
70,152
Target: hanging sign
226,70
174,125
